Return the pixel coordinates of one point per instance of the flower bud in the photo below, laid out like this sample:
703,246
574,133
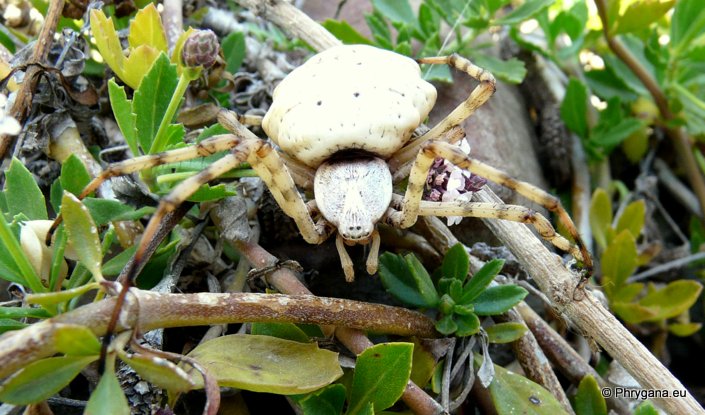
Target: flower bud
201,49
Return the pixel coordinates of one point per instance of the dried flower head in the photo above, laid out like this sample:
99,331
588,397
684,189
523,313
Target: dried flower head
446,182
8,125
201,49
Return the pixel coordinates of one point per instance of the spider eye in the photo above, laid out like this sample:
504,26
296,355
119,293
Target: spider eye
355,232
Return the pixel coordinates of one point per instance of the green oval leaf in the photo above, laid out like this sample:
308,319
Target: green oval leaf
122,109
327,401
600,216
619,261
480,280
41,379
160,372
589,400
407,280
82,234
574,108
146,29
108,397
22,193
510,391
267,364
74,176
684,329
381,374
468,324
286,331
75,340
505,332
499,299
632,218
456,263
673,299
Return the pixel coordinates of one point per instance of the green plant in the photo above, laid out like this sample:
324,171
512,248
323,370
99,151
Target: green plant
458,302
636,302
468,20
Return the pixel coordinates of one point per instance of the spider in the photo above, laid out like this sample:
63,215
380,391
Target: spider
344,123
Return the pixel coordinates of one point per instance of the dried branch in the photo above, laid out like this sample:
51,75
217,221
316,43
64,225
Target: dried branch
23,102
157,310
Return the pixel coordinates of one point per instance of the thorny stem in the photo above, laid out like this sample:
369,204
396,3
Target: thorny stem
681,140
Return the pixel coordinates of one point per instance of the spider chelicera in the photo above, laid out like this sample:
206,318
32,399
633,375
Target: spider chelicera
344,122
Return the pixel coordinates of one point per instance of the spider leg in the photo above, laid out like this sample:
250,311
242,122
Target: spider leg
411,204
476,99
168,204
204,148
345,260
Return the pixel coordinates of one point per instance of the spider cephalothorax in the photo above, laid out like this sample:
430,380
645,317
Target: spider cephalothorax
344,123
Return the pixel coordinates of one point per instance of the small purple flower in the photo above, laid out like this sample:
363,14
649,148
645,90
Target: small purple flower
446,183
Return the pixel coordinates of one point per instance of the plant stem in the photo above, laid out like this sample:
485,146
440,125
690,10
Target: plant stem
681,140
159,142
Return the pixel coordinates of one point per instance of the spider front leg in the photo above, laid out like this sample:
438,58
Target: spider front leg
465,109
412,206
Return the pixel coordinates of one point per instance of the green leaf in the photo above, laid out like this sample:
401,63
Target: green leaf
510,391
627,292
108,210
108,43
39,380
610,136
326,401
152,99
606,85
505,332
23,312
207,193
632,218
640,14
646,408
481,280
52,298
75,340
82,234
74,175
574,108
511,70
429,20
407,280
446,325
687,23
160,372
122,109
146,29
107,398
467,324
423,362
398,11
234,51
7,324
381,374
267,364
672,300
14,262
684,329
380,29
286,331
600,216
619,261
345,33
22,193
589,400
525,11
499,299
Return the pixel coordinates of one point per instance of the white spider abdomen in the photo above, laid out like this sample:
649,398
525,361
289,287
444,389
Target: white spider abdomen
348,97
